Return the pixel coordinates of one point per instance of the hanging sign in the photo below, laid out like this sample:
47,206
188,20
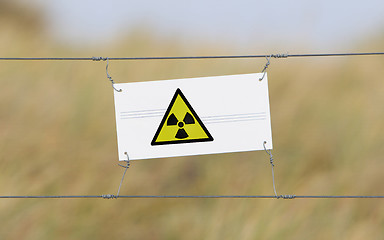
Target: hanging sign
192,116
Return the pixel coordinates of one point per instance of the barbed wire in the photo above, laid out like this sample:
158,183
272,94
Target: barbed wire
284,55
110,196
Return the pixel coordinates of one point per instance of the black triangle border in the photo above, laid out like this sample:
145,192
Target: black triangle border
178,92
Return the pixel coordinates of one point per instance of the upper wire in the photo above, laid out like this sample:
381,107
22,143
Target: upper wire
190,57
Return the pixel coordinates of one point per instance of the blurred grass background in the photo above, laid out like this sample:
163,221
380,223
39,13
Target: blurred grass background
57,137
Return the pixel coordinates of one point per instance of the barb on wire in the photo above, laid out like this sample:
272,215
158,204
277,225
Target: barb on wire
284,55
97,59
109,196
109,76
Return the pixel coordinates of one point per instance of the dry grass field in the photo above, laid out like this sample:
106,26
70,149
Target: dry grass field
58,137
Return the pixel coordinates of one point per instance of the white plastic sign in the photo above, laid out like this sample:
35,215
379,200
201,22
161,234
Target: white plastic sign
193,116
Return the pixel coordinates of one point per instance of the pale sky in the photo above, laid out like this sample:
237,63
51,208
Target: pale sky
318,25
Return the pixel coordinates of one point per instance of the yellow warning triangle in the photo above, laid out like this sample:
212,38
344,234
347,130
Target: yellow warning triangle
180,124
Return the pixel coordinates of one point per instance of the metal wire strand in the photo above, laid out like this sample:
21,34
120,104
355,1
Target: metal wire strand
188,57
200,196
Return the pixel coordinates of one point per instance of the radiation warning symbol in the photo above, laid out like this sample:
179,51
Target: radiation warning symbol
180,124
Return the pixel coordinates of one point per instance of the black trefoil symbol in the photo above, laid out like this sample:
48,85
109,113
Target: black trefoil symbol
172,121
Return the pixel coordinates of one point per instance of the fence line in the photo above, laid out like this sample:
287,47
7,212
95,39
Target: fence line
286,55
109,196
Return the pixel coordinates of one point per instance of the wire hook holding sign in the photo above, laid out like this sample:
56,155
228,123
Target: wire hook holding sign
125,171
266,66
271,162
273,175
110,78
111,196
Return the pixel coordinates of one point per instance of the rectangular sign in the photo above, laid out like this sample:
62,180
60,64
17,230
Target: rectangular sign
193,116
